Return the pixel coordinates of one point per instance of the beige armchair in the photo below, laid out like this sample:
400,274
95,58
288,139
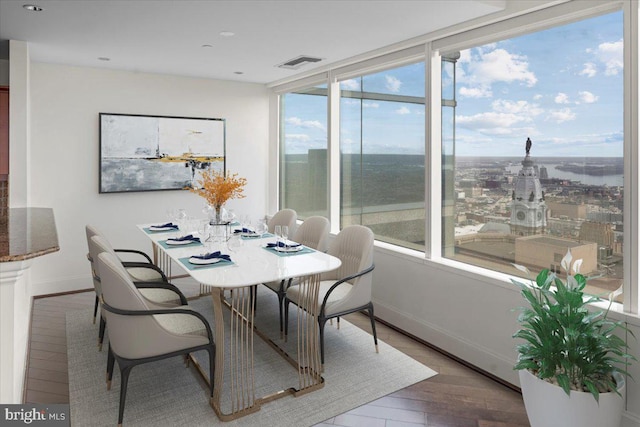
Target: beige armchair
286,217
158,293
313,233
139,333
347,289
142,270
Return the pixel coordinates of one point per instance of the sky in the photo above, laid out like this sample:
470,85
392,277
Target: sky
561,87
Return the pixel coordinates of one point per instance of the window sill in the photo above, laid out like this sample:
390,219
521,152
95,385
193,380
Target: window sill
491,278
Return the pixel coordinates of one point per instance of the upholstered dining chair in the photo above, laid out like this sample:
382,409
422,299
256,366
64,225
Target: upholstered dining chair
312,233
141,334
346,289
158,293
286,217
143,269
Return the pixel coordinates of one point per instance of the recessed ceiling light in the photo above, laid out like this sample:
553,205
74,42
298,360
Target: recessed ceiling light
104,58
33,8
206,45
227,33
238,72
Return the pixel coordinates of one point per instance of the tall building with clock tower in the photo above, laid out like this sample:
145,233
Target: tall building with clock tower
528,208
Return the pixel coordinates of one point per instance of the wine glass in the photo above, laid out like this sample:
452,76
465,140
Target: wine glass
278,232
234,243
181,217
261,227
285,234
246,222
203,229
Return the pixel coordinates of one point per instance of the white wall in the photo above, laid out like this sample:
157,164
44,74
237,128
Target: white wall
467,315
65,149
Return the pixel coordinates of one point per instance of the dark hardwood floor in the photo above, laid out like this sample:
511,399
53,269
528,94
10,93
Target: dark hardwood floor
457,397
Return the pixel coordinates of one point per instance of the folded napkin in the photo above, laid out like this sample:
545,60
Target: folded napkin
283,245
213,255
167,225
185,238
244,230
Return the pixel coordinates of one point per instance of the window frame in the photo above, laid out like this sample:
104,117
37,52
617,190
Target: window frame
430,49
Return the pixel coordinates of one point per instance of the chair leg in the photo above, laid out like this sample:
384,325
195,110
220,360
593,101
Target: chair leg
103,325
95,309
286,317
281,296
124,379
373,326
253,295
212,367
321,322
110,362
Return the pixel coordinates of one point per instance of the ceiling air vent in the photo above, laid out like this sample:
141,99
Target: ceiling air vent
300,61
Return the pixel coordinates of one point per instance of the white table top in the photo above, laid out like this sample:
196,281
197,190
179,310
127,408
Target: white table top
252,264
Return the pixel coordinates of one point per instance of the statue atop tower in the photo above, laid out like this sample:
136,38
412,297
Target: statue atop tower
528,208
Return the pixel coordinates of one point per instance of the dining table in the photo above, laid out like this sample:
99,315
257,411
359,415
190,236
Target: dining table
248,259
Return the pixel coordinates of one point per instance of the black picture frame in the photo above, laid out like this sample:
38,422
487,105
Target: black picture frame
155,153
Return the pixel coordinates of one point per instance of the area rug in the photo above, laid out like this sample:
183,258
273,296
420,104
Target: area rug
166,393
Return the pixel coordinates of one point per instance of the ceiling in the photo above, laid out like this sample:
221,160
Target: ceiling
183,37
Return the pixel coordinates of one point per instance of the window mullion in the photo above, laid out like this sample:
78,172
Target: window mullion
333,164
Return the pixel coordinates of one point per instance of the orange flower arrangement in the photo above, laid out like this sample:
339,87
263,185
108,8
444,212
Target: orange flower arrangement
217,189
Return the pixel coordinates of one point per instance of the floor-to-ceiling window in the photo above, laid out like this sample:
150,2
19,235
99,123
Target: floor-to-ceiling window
533,139
534,145
303,172
382,128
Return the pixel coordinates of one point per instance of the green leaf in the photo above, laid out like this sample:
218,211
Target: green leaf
593,389
563,381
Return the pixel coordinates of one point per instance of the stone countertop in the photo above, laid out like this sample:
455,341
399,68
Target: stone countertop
27,233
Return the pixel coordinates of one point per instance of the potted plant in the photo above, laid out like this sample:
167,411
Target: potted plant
571,364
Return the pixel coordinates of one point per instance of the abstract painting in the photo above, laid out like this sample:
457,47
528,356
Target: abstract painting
149,153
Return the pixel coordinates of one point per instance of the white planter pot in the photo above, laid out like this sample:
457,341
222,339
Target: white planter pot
549,406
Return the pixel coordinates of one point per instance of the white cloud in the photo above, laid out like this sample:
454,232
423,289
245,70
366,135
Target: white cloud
480,68
351,84
587,97
296,121
589,70
561,98
370,104
403,110
561,116
475,92
393,84
516,107
500,66
465,56
611,54
301,137
490,118
537,97
507,118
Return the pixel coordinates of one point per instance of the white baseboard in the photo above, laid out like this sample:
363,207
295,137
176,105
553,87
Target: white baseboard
630,420
65,284
472,353
481,357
